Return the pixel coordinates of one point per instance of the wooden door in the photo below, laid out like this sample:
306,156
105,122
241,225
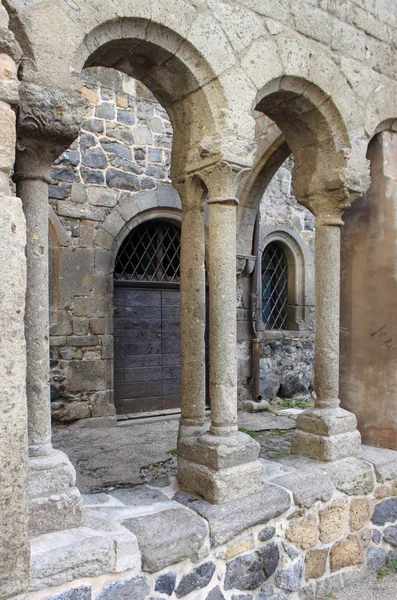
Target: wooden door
146,348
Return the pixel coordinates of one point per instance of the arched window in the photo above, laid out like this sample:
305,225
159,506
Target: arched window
274,287
151,252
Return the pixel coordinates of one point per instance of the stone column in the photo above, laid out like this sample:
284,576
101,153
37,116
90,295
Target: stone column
193,379
14,537
327,432
48,122
221,465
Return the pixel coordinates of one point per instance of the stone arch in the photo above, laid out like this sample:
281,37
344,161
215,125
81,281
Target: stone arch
381,109
300,262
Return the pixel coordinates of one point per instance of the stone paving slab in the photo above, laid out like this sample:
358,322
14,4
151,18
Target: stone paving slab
370,589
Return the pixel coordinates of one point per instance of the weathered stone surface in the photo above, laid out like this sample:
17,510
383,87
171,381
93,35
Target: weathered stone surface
390,535
329,586
269,385
307,488
237,546
140,495
242,597
316,563
135,587
345,553
290,577
365,537
122,180
83,592
292,553
385,512
352,476
376,536
180,534
247,572
47,511
376,558
227,520
94,158
196,579
383,460
359,513
165,584
71,554
333,520
266,534
215,594
303,532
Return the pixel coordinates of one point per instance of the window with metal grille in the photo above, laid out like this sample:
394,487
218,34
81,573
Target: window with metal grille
274,287
151,252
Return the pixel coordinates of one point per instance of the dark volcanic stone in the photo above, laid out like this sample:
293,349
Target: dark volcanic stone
376,558
94,158
139,154
83,592
290,578
136,588
270,556
216,594
266,534
376,536
91,176
71,157
385,512
122,180
244,572
66,174
165,584
106,110
153,171
147,184
126,165
125,116
87,141
115,148
390,535
269,385
196,579
93,125
242,597
296,382
59,192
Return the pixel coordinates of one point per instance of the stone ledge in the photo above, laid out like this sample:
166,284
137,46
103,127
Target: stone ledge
383,460
227,520
306,488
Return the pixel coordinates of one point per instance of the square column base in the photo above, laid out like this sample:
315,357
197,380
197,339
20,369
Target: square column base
220,468
326,434
225,485
54,501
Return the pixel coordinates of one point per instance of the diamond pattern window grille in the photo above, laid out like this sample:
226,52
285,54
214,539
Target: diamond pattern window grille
274,287
151,252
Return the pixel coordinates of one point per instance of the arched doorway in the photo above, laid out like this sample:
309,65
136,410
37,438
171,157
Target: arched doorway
146,306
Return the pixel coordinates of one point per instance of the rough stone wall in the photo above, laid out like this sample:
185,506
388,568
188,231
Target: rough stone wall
314,529
124,148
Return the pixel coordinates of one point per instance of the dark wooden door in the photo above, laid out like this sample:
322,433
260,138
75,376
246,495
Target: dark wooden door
146,347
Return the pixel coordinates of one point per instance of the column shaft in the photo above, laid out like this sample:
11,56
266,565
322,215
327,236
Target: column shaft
192,317
327,282
34,194
223,335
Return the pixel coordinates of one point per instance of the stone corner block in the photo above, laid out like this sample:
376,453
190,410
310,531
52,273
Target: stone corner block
383,460
307,488
168,536
228,520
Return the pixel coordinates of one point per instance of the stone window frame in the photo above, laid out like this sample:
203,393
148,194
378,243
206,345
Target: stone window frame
300,261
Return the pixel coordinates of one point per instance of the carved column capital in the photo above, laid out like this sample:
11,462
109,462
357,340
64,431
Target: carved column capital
328,206
223,181
48,122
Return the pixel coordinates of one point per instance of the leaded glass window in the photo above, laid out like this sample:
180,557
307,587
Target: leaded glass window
274,287
151,252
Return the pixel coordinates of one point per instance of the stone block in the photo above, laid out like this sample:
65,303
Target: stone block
195,580
63,556
165,584
179,534
105,110
352,476
266,534
290,578
376,536
238,546
114,223
333,520
122,180
82,592
307,488
101,197
220,486
136,588
303,532
326,421
220,453
215,594
325,448
50,474
247,572
383,460
385,512
228,520
359,513
94,176
345,553
48,513
376,558
316,563
390,535
86,375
